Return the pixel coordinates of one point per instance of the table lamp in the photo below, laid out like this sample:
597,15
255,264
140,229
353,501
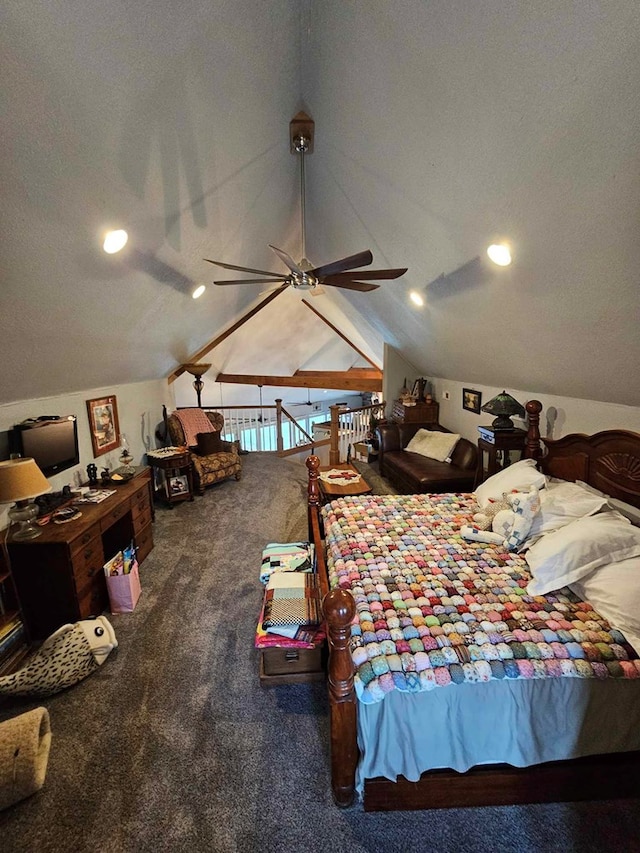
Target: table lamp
21,480
504,406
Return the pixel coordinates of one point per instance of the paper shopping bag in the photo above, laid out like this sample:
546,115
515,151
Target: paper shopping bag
124,590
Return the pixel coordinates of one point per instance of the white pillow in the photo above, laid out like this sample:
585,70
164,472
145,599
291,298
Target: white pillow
568,554
434,444
561,503
518,477
614,592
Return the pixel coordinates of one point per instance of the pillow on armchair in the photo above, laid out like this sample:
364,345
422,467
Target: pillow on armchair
208,443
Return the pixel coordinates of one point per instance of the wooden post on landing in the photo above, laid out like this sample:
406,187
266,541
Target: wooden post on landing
279,441
334,447
532,449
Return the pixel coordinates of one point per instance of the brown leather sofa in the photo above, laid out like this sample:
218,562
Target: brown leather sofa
411,473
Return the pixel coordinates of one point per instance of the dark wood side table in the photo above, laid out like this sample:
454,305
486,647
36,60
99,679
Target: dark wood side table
498,442
176,481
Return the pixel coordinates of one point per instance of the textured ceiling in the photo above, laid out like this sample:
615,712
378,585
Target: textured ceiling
438,128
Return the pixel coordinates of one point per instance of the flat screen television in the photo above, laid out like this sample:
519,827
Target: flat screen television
53,443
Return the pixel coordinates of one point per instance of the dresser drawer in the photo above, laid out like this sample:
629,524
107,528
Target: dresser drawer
93,599
144,542
140,501
83,541
141,520
87,562
113,515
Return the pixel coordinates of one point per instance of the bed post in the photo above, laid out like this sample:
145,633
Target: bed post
532,449
339,612
340,609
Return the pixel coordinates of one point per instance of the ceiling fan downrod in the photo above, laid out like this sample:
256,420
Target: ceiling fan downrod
301,144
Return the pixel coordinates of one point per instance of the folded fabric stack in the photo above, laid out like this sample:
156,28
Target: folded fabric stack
286,557
291,612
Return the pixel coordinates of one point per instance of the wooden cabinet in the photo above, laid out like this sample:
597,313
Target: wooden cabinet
424,413
59,576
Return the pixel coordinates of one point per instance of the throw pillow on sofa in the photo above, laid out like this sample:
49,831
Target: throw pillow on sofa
433,444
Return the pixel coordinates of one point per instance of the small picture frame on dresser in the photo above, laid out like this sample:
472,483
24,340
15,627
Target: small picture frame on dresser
471,400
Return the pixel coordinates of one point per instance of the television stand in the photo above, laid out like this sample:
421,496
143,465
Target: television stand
59,576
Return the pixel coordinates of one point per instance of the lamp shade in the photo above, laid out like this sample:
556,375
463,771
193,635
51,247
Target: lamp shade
196,369
20,480
503,406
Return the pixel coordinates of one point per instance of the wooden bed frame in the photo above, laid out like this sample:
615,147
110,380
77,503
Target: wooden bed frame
609,461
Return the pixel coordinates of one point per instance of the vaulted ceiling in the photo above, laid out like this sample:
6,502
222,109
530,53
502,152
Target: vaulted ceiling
439,128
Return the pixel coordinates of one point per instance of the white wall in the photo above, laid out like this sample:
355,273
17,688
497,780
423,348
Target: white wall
560,415
139,411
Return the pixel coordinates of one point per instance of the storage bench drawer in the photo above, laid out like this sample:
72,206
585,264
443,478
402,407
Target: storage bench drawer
292,662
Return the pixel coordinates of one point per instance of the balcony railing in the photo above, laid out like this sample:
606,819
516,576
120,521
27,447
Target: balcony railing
273,428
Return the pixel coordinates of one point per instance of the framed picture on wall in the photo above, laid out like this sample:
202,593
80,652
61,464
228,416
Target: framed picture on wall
471,400
104,425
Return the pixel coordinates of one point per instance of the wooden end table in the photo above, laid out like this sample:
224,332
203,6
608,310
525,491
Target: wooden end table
177,478
504,441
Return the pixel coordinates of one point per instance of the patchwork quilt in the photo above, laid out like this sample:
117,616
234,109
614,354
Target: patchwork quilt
435,610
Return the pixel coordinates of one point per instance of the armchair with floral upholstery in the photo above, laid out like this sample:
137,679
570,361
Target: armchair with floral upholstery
212,458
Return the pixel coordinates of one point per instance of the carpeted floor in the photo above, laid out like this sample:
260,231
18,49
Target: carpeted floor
174,746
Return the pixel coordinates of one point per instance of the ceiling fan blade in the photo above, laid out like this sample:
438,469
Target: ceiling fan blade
243,269
251,281
287,260
362,259
368,274
350,285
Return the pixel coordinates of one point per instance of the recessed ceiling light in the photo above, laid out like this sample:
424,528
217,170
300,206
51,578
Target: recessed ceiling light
198,291
416,298
114,241
499,254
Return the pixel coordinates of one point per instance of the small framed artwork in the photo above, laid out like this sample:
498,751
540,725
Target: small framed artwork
177,485
104,425
471,400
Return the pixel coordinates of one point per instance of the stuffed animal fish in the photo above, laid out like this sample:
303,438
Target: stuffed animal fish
70,654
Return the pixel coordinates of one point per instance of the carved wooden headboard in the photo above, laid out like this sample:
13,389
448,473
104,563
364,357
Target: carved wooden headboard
609,461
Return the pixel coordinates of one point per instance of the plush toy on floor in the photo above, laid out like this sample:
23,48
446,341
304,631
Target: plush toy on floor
24,753
72,653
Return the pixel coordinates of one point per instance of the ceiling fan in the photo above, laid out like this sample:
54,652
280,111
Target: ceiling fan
344,273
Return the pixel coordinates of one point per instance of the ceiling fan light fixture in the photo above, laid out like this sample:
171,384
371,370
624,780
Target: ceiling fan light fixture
197,291
416,298
500,254
114,241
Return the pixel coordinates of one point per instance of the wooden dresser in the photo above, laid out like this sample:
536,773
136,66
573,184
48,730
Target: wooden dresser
59,576
424,413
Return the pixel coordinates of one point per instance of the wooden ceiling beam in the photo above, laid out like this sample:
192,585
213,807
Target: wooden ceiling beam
336,380
356,373
214,343
340,335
